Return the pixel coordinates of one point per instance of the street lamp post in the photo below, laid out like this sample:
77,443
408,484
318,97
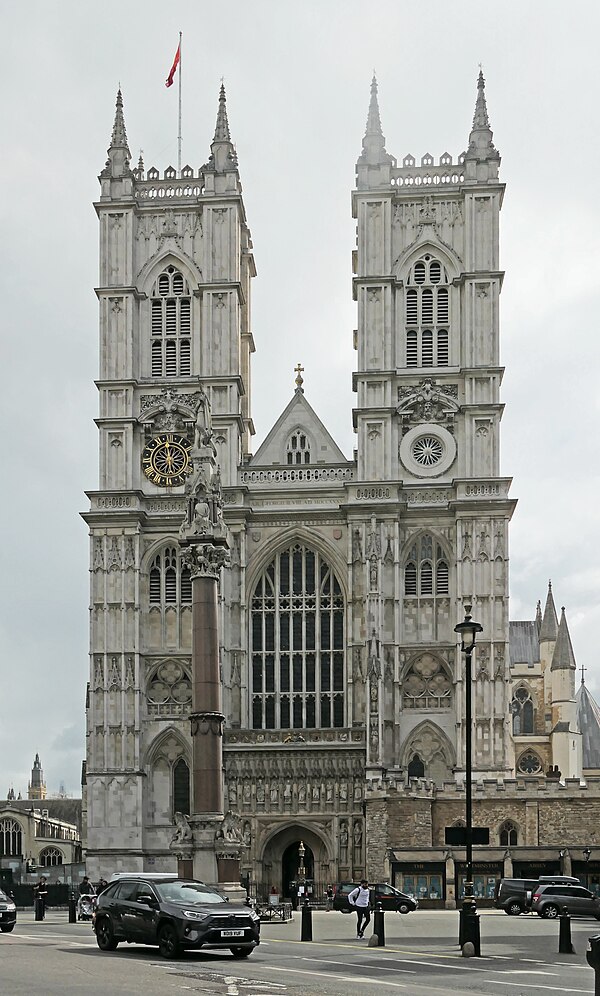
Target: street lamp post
469,922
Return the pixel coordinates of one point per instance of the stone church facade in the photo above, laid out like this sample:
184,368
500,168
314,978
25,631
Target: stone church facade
343,684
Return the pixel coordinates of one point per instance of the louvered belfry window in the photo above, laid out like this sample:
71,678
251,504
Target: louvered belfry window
426,570
427,314
297,644
171,325
169,584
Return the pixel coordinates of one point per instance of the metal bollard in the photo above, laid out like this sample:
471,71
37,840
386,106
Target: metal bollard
72,908
306,930
38,907
379,925
565,945
593,960
471,931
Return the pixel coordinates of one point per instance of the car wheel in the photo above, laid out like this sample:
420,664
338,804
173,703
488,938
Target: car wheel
403,908
105,938
7,930
241,952
514,909
168,942
550,912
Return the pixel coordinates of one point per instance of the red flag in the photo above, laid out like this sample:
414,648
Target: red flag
173,67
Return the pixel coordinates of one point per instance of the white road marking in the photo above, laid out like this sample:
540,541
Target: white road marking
342,978
532,985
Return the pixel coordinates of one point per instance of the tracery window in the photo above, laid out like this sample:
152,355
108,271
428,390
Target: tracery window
509,835
298,448
169,690
50,857
11,838
529,764
169,583
522,712
427,685
171,325
297,644
427,314
424,572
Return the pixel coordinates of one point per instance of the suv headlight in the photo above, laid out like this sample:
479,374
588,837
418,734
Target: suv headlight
194,915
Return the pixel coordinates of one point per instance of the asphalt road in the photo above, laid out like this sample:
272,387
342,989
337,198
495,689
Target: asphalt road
421,957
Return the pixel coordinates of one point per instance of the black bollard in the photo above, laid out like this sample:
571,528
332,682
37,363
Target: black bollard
72,908
471,931
38,909
306,930
379,925
593,960
565,945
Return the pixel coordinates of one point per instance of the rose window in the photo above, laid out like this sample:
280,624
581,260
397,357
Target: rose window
529,764
427,451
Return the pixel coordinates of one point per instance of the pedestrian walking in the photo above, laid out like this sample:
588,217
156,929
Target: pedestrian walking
329,898
360,899
40,892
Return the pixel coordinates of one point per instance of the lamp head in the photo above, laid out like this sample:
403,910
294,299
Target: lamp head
468,630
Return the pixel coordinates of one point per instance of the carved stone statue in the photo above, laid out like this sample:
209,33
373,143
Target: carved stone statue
183,831
203,426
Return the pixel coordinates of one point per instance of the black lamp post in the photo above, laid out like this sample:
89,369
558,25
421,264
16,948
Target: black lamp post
469,923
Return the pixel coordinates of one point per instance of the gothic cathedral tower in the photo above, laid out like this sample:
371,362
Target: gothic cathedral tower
174,295
427,283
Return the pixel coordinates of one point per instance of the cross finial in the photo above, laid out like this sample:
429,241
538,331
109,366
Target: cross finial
583,670
299,370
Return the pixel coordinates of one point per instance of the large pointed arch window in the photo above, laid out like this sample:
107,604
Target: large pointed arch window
171,325
11,838
297,644
427,314
522,712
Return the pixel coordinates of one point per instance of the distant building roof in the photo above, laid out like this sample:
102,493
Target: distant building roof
588,715
524,643
67,810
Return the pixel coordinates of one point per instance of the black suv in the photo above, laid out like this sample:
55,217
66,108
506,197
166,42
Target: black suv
389,897
8,913
175,914
514,895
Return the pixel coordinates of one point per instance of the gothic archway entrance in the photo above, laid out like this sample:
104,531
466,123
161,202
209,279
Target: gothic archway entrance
281,860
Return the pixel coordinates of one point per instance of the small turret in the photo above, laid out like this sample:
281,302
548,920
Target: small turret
563,657
37,785
119,156
549,627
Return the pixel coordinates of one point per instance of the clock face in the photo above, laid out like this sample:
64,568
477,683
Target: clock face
166,460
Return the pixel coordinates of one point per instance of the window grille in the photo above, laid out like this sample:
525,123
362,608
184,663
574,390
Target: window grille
297,644
168,582
427,307
171,325
425,573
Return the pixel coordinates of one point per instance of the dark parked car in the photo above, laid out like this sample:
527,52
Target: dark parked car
550,900
174,914
514,895
8,913
389,897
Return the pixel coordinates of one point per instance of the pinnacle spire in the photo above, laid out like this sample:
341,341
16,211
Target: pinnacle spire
563,656
223,156
373,144
222,125
117,164
549,628
481,146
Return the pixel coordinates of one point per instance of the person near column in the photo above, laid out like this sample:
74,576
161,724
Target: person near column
40,891
360,899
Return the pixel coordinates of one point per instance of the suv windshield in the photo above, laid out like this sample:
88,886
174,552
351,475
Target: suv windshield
187,892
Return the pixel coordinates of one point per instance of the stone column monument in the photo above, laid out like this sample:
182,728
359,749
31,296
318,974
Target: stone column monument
213,853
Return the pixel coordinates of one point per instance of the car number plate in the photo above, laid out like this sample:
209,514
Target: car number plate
232,933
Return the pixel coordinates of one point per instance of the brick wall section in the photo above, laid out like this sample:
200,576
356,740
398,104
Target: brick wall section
410,822
377,839
574,822
485,814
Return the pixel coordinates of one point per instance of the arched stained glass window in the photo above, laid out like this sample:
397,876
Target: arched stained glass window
509,835
297,644
11,838
522,712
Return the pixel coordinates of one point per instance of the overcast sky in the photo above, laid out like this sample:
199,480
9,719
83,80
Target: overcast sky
297,77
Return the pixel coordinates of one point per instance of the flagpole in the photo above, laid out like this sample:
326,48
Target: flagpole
179,134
